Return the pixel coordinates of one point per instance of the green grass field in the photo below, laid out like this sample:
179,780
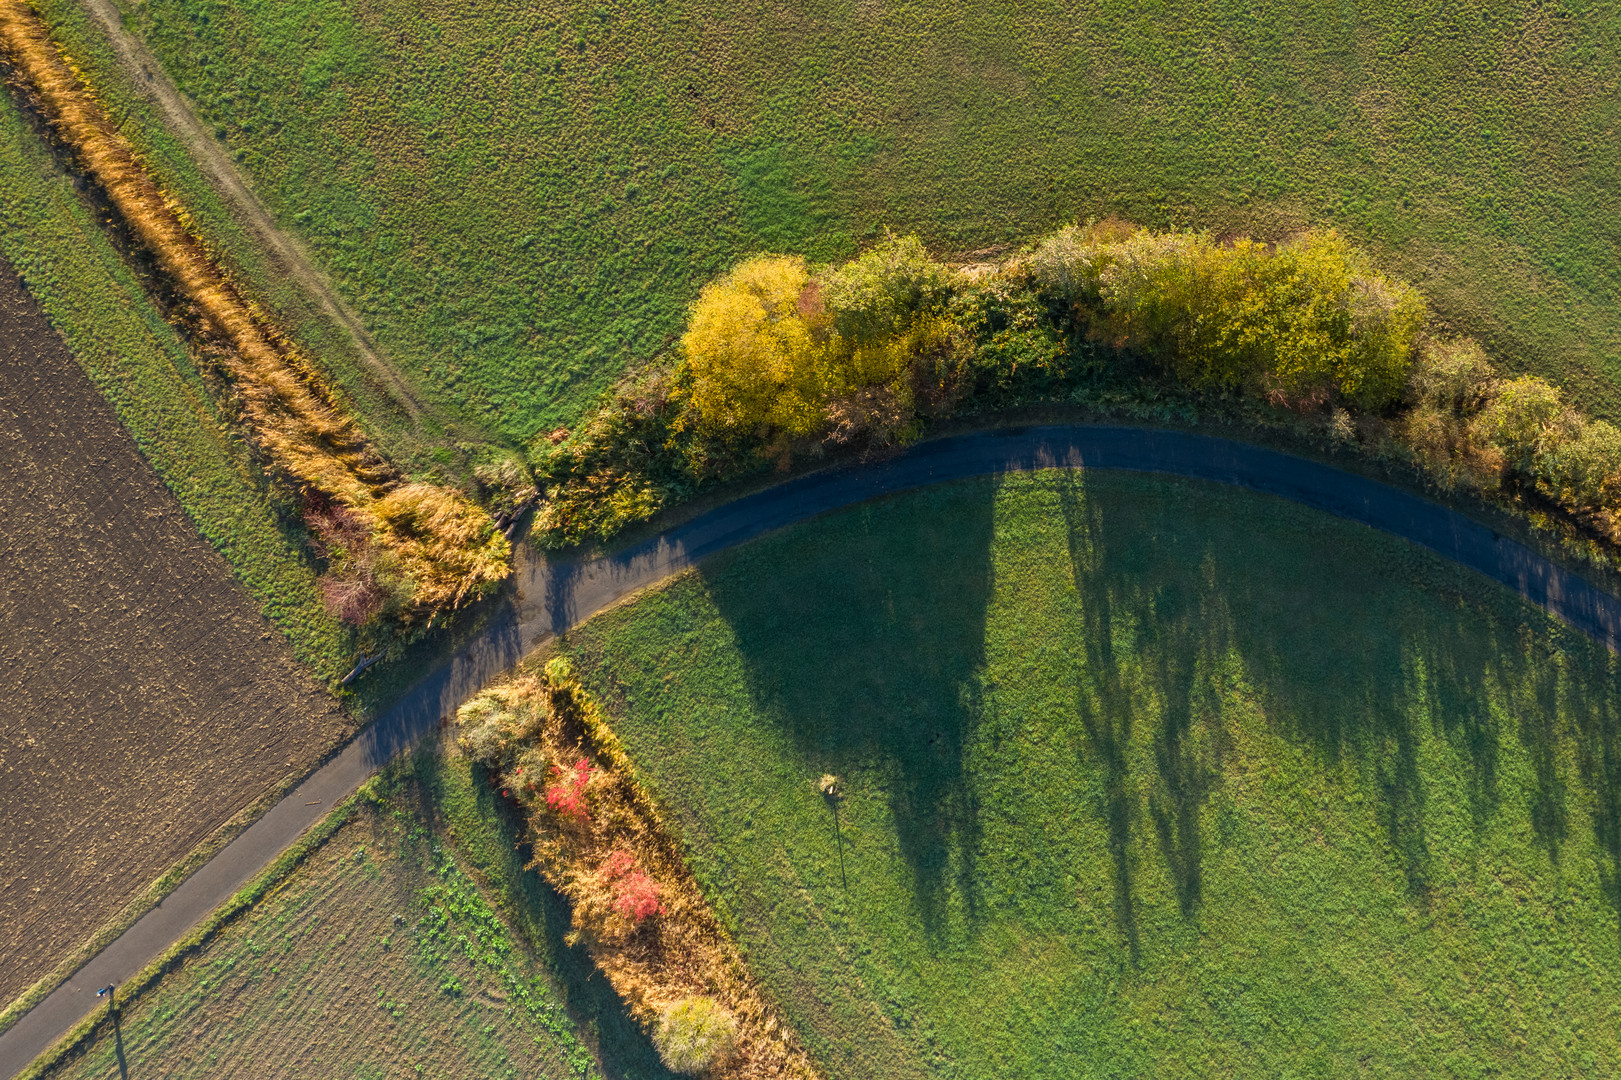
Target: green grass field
521,199
1143,778
380,956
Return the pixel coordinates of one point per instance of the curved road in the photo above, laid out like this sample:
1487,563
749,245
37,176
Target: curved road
550,599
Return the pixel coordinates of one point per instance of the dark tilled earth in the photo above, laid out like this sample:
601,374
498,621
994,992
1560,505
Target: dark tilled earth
143,699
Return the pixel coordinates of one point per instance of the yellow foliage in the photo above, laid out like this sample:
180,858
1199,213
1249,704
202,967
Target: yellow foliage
448,547
750,355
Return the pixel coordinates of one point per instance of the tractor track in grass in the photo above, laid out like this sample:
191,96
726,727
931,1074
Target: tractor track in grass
287,253
551,598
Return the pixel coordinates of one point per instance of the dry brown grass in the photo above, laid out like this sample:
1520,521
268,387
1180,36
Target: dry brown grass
447,544
529,725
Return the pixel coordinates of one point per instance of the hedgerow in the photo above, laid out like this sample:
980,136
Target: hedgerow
602,842
782,358
426,549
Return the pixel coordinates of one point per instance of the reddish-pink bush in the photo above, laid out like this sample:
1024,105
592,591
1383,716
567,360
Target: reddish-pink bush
635,895
352,587
567,796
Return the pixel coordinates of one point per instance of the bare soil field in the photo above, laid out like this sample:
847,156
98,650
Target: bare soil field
143,699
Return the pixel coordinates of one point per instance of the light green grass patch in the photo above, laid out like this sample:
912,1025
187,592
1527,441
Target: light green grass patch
1142,778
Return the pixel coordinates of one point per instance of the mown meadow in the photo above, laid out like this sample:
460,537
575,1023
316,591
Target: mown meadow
521,201
1136,777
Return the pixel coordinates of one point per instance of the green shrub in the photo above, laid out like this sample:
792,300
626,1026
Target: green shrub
1525,420
876,297
1069,265
694,1034
1453,377
1386,317
1583,471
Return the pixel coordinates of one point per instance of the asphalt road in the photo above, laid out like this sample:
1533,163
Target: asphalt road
551,598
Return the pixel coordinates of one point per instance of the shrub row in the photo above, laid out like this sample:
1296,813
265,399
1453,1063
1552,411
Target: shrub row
426,548
781,358
602,843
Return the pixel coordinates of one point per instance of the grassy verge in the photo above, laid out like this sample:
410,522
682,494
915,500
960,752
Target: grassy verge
135,359
1142,777
521,201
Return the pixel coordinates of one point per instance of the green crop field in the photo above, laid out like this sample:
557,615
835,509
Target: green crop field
521,199
1141,777
379,956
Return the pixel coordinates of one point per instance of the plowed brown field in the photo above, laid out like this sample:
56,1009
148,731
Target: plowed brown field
143,699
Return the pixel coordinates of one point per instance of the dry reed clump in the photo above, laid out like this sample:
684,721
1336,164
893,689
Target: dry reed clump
602,842
445,545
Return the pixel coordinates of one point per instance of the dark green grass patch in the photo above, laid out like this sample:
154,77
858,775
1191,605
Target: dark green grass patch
1142,778
521,199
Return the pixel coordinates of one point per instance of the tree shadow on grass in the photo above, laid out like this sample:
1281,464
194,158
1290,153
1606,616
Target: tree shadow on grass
496,846
1151,645
1173,614
868,654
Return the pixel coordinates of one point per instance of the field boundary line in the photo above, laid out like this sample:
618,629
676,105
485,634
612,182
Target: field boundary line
551,598
228,180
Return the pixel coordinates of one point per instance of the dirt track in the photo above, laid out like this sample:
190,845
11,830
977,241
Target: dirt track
289,256
143,699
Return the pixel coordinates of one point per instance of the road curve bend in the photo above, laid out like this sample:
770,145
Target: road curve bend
552,598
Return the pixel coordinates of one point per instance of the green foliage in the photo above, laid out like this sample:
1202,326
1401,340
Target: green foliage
1583,471
1117,798
879,295
1525,420
1307,318
1454,377
641,449
694,1034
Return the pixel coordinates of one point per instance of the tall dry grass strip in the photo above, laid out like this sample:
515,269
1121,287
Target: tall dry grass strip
447,546
602,842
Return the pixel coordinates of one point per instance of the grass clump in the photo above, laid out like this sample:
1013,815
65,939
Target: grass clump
695,1034
602,843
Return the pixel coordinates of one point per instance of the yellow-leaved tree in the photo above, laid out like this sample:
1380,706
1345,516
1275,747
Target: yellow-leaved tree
750,354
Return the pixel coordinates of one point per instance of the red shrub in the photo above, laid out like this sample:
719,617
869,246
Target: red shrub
635,895
567,796
355,597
